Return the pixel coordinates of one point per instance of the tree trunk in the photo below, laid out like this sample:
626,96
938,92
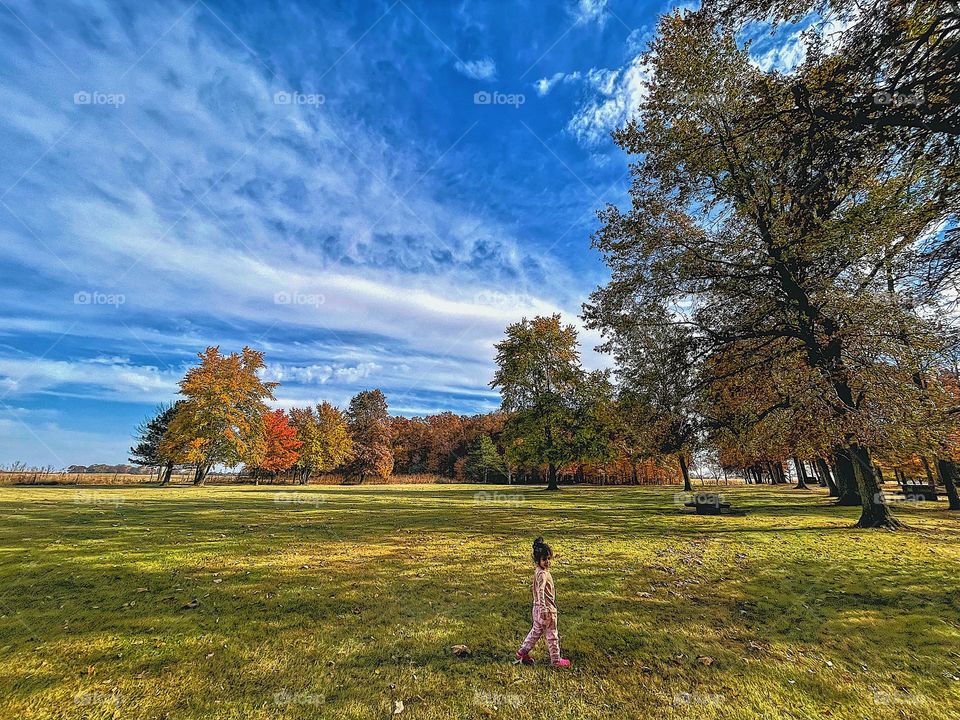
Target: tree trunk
779,477
167,474
846,479
200,474
801,480
824,468
818,472
552,477
875,512
926,468
686,473
948,474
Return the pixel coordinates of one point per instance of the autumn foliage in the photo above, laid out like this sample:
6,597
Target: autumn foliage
281,448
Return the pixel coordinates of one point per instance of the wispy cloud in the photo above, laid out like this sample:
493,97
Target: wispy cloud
614,95
482,69
587,11
545,85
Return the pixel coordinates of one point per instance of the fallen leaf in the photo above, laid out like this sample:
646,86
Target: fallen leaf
190,605
397,707
705,660
460,650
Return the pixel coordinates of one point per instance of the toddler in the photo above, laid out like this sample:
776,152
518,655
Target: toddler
544,609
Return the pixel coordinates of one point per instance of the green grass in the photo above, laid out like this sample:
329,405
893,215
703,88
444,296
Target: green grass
339,604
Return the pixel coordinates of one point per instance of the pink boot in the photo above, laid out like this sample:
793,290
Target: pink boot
524,657
562,663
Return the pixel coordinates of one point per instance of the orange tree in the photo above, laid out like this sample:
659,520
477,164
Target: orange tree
220,420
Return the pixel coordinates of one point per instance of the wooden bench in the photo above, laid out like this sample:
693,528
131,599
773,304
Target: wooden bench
917,490
707,504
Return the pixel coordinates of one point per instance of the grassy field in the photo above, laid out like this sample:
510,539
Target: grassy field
335,602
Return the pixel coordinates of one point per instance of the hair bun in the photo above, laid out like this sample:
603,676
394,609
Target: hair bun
538,541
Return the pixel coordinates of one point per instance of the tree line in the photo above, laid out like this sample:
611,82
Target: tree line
223,419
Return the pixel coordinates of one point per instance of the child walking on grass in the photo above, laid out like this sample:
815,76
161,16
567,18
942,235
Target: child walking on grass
544,609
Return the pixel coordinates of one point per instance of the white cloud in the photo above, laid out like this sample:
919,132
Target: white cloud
545,85
482,69
784,47
586,11
615,95
101,380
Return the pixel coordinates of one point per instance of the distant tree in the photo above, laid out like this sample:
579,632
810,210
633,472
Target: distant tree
335,443
538,373
325,438
484,459
656,362
147,452
369,425
304,421
220,421
281,447
594,425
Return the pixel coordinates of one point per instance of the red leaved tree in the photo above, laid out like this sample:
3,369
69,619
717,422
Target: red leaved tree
281,448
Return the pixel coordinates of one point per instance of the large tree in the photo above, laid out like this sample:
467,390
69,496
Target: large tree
220,420
755,231
538,373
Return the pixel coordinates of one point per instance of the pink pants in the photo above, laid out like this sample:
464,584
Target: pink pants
548,628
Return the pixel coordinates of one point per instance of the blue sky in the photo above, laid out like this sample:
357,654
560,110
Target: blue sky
368,192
